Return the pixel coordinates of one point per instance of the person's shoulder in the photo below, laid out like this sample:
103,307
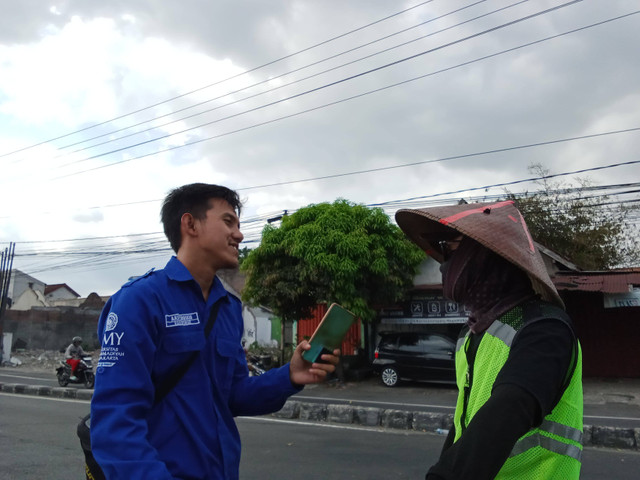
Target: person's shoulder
233,298
545,320
140,281
137,288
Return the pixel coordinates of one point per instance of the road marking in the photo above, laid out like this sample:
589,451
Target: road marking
28,378
316,398
40,397
611,418
361,428
422,405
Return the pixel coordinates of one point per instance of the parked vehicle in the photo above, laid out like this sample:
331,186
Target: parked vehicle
84,373
415,356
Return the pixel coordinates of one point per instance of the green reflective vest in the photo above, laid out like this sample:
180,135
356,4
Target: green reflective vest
554,449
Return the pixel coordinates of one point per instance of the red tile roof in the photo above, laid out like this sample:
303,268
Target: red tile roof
52,288
606,282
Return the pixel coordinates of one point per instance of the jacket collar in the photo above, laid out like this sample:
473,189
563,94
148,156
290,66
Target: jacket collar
176,271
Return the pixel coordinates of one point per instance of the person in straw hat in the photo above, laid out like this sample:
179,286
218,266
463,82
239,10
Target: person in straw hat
518,361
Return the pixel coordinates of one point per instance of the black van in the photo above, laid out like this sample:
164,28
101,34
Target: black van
415,356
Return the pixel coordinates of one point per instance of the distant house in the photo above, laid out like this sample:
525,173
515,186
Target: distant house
60,291
26,292
20,283
605,308
259,322
29,298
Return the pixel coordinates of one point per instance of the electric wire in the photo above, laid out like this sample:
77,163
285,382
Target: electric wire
324,42
442,159
272,78
194,142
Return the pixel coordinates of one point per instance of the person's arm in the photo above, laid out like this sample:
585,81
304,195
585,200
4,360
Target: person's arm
124,391
524,392
275,386
67,352
489,438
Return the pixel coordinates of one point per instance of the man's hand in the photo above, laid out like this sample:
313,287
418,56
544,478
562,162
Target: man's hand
302,372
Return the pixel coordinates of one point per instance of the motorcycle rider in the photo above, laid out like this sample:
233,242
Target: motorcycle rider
74,354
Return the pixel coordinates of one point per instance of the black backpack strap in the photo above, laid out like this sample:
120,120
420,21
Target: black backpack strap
174,377
539,310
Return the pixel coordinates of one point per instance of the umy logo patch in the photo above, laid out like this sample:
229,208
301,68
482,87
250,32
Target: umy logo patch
111,341
181,319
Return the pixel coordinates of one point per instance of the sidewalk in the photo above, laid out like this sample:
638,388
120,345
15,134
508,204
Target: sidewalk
598,391
611,392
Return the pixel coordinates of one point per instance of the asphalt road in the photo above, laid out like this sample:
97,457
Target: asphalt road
38,441
414,396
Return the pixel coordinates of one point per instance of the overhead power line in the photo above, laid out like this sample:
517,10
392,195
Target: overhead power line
136,253
516,182
405,165
194,142
272,78
324,42
262,219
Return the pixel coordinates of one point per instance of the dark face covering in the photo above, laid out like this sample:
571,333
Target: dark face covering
487,284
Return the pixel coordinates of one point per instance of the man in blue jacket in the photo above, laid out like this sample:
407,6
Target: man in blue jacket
152,325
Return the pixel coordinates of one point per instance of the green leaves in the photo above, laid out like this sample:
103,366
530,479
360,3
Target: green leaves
339,252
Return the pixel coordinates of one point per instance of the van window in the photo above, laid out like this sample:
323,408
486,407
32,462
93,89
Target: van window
388,342
409,342
432,343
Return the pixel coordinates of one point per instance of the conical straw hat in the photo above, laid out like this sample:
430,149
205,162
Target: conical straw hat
498,226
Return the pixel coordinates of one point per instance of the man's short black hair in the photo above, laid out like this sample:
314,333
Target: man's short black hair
194,199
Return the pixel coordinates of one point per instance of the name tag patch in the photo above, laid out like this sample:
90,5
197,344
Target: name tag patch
181,319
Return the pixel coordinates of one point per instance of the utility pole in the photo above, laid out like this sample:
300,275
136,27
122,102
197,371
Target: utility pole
6,267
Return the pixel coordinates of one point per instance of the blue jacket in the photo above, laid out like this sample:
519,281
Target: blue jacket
148,328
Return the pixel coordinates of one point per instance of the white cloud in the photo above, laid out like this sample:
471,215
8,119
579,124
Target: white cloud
80,63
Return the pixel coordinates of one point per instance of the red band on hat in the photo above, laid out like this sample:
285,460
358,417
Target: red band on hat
466,213
526,231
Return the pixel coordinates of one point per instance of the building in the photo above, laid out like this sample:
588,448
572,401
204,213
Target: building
604,307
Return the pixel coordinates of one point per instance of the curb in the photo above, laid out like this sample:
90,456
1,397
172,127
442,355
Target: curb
429,422
440,423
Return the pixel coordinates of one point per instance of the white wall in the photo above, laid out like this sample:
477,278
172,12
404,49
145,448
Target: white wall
61,293
428,273
28,299
257,327
19,282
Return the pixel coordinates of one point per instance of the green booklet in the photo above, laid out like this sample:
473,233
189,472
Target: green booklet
328,336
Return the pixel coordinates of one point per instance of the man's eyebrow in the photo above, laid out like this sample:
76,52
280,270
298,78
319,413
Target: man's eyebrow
232,216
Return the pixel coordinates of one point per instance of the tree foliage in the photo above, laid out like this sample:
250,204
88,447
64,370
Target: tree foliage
339,252
591,231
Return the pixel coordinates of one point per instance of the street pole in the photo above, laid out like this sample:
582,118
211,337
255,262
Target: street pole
6,267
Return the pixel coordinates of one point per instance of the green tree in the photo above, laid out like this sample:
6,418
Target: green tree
591,231
243,253
339,252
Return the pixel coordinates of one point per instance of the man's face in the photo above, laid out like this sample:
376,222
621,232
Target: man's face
219,235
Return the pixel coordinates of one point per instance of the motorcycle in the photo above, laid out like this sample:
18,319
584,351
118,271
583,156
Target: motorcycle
84,373
255,366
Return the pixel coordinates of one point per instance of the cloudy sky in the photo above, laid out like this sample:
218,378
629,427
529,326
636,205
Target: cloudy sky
107,105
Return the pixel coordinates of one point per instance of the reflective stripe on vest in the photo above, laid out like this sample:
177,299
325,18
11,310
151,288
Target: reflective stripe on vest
555,446
562,430
500,330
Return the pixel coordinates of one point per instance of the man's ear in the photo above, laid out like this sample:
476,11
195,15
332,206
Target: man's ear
188,225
